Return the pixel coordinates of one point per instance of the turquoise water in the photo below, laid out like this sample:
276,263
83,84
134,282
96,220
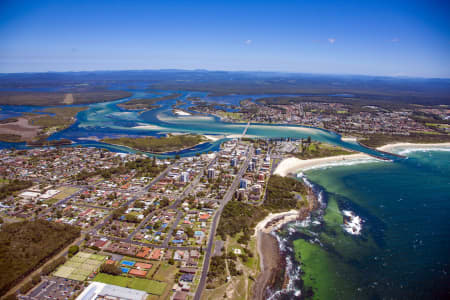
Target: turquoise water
403,251
109,120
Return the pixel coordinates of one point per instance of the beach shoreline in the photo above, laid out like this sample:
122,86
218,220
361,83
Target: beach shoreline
293,165
270,258
406,146
269,255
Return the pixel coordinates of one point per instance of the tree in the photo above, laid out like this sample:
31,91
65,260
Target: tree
110,269
189,232
36,279
73,250
131,218
10,297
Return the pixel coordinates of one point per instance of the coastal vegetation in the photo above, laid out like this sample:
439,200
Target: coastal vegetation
377,140
57,119
158,145
147,103
10,138
36,127
308,150
26,245
239,217
60,98
285,193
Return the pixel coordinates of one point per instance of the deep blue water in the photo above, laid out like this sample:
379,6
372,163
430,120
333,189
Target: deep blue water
403,251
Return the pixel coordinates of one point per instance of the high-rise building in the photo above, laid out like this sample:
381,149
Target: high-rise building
211,173
243,183
184,177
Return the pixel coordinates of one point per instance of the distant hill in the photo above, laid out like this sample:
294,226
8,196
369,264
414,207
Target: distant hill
373,88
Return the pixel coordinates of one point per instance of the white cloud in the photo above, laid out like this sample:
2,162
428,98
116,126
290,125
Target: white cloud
395,40
248,42
331,40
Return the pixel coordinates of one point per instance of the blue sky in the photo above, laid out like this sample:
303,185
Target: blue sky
394,38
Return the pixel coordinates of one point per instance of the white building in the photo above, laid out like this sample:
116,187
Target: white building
98,290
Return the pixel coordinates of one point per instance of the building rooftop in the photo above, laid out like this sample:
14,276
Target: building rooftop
98,289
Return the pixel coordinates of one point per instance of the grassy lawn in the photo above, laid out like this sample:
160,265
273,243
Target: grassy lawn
149,286
426,132
64,193
165,272
51,201
438,125
111,279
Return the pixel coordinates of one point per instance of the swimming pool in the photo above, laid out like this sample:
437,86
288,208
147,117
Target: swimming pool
125,270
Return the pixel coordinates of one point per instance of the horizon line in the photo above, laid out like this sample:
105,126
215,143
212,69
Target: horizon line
230,71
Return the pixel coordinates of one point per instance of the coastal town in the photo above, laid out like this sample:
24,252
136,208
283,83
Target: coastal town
224,150
145,223
162,228
348,119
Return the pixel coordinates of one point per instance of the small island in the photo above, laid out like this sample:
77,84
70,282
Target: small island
158,145
146,103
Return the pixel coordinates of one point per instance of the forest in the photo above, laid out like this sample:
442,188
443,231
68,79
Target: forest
11,187
281,193
239,217
26,245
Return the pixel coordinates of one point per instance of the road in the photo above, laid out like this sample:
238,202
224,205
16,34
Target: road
245,129
117,239
174,205
59,203
228,196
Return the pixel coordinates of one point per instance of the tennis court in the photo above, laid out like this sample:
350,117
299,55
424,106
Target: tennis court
128,263
80,266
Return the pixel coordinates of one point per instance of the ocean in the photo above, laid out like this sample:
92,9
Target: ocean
403,249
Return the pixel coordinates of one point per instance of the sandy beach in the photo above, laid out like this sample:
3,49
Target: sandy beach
181,112
148,127
293,165
214,138
349,139
273,221
391,147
